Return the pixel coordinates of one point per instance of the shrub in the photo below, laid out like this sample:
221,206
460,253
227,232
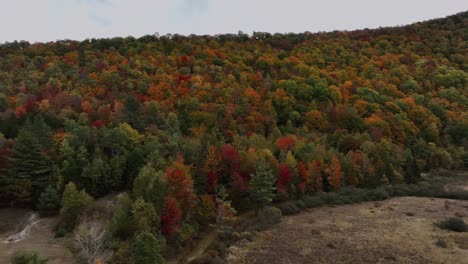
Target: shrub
441,243
59,232
49,202
28,257
269,216
455,224
288,208
377,194
312,201
300,204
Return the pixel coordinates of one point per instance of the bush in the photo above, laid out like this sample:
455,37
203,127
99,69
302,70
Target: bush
441,243
268,216
377,194
59,232
455,224
300,204
312,201
28,257
288,208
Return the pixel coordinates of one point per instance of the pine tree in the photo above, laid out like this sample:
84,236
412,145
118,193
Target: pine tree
30,164
262,183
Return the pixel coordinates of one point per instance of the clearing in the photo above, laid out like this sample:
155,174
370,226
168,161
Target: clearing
398,230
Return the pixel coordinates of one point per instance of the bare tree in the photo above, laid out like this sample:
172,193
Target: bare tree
90,238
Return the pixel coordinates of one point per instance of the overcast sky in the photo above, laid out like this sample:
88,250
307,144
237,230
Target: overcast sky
48,20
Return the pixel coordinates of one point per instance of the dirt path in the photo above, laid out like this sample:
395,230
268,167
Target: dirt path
399,230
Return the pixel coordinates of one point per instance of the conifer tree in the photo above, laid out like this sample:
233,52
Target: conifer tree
30,164
262,183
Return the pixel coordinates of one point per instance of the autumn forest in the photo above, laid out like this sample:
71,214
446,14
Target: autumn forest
190,131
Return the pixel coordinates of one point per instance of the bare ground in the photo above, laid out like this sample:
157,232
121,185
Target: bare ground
398,230
40,239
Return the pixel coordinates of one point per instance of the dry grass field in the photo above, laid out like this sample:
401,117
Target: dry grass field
398,230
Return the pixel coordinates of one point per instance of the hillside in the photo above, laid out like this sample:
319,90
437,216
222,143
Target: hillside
192,127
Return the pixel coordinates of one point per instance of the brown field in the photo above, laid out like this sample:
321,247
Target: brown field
40,239
398,230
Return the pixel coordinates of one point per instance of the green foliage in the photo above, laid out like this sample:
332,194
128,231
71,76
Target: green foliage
455,224
49,201
269,215
31,165
262,184
146,217
74,203
122,224
146,249
28,257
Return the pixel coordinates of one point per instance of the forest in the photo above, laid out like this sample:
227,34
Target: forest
193,130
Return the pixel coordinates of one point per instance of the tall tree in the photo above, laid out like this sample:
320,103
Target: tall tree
31,166
262,183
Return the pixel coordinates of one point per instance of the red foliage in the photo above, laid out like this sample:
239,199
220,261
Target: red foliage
171,217
238,183
285,143
211,182
180,184
30,104
231,158
284,178
98,123
20,111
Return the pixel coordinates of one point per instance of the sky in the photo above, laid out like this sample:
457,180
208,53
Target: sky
50,20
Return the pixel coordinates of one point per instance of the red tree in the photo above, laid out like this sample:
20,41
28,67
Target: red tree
171,217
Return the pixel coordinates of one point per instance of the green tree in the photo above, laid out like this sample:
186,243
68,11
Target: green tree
74,203
122,224
262,184
146,249
31,166
146,218
49,201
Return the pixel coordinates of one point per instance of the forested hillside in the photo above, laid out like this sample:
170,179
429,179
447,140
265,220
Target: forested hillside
191,126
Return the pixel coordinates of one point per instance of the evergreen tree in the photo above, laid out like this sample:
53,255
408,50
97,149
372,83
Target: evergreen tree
262,183
30,164
49,201
146,249
74,203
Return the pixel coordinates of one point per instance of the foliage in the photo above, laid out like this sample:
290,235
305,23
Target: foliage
49,201
74,203
146,249
455,224
28,257
196,128
262,184
269,215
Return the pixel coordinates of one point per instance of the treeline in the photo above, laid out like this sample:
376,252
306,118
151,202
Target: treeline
192,127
